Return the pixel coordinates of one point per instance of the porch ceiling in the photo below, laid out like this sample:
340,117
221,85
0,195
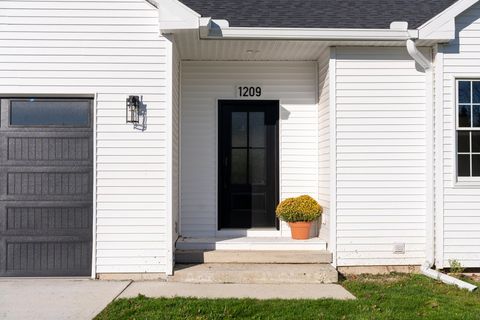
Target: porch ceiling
192,48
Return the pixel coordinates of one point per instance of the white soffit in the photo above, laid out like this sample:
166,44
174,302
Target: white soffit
191,47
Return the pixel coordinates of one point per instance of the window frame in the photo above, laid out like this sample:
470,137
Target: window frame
470,181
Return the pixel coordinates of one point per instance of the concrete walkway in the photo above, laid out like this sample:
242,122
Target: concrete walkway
56,299
75,299
156,289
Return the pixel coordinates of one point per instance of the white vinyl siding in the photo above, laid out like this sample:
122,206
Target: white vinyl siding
293,83
324,142
380,116
110,49
461,214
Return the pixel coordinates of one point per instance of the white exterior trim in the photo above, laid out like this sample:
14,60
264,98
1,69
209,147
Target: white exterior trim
170,245
253,232
430,166
439,202
442,26
94,205
174,15
332,244
460,182
211,30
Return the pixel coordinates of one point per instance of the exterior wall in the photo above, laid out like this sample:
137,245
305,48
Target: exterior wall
380,139
324,142
106,49
294,83
460,217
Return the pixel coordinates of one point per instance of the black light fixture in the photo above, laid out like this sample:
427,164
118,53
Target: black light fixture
133,109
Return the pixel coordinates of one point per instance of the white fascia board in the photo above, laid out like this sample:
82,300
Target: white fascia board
174,15
442,26
238,33
153,3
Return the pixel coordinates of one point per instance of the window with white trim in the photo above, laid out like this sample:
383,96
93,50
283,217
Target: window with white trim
468,129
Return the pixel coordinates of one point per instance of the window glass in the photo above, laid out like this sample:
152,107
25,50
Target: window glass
258,129
463,165
475,165
239,166
464,116
239,129
468,129
463,141
475,141
476,116
464,92
40,112
258,163
476,91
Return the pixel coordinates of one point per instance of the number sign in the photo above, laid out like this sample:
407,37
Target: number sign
249,91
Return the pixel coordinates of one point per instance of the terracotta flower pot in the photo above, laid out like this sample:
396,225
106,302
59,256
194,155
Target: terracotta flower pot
300,230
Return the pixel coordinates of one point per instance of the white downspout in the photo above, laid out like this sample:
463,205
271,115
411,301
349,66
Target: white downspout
426,268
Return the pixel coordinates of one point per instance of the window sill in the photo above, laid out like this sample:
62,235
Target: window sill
471,184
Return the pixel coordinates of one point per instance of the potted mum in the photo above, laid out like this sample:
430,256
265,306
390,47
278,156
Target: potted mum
300,213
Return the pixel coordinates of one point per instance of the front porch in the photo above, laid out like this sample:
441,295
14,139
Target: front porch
211,72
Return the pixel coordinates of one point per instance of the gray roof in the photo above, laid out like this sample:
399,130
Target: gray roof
370,14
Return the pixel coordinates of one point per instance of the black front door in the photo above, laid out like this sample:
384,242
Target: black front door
248,163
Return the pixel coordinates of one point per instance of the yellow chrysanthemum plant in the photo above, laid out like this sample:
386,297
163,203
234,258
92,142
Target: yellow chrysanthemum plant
299,212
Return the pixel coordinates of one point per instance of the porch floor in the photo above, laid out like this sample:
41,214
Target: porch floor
252,244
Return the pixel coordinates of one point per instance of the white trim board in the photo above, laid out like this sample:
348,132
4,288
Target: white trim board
332,245
442,26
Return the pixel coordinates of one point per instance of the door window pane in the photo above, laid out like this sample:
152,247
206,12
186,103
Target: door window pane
239,166
463,165
50,113
464,116
239,129
257,166
258,130
464,93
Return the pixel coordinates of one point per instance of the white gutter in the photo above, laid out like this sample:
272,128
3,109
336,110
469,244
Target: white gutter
426,268
219,29
445,278
418,56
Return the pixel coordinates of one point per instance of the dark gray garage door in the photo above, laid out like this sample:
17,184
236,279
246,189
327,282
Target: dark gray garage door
46,184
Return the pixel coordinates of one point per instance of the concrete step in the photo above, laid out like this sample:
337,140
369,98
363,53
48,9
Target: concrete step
256,257
251,244
255,273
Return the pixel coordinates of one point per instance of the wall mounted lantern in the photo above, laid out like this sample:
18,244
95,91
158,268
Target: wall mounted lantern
133,109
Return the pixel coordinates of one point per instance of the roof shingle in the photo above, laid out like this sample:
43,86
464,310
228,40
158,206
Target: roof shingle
367,14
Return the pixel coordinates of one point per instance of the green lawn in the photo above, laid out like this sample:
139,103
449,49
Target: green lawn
378,297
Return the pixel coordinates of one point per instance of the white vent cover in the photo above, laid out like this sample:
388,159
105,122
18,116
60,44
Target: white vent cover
399,248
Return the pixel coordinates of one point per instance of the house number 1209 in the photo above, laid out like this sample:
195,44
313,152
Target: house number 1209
245,91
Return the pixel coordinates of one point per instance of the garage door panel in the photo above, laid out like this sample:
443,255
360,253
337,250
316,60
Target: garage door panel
49,183
47,258
46,151
46,187
31,220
